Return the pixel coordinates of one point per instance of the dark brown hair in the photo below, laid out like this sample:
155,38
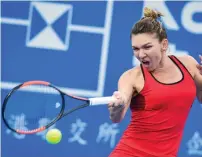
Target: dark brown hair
150,24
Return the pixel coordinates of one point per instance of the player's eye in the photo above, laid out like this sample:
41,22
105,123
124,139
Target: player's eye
147,47
135,49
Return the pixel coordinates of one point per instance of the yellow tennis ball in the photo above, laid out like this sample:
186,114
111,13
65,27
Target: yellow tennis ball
53,136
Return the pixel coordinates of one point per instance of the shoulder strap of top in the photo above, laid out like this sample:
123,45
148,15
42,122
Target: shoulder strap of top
180,65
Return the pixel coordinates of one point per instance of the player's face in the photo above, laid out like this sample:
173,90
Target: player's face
147,49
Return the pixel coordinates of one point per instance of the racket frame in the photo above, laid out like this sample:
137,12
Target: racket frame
62,113
37,129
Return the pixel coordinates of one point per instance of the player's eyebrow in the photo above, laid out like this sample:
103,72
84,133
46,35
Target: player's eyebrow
135,47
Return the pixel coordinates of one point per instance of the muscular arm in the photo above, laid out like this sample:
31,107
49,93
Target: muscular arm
198,81
126,90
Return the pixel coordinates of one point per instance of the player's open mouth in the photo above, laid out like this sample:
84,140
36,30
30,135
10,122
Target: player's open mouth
146,63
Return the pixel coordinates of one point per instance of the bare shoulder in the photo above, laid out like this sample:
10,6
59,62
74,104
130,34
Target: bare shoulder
189,62
132,73
134,78
187,59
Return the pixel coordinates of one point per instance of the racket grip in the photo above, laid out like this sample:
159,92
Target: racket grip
101,100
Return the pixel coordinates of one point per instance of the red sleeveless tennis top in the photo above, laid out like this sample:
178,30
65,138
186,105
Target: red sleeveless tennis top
158,116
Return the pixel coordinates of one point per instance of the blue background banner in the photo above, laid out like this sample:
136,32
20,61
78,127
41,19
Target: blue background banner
83,48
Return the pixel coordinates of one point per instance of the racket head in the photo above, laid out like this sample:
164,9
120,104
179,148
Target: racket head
10,105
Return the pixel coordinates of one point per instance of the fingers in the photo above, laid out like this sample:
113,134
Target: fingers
199,68
114,106
118,101
117,94
120,96
200,58
110,105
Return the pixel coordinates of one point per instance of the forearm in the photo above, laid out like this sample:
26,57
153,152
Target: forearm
199,90
118,108
116,114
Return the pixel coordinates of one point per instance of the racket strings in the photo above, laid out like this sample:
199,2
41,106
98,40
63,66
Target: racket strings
31,105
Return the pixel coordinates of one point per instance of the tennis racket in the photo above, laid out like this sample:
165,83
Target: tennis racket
34,111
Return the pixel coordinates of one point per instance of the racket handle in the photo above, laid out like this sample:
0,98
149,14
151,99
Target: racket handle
101,100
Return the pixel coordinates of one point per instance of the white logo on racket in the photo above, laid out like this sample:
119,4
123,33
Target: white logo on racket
57,105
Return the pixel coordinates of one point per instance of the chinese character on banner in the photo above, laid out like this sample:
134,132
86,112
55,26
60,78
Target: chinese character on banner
17,121
77,129
107,132
42,122
195,144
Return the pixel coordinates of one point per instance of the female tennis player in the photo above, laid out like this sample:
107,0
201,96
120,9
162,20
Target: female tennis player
159,92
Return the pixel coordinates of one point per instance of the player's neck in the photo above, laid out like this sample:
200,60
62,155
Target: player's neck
164,66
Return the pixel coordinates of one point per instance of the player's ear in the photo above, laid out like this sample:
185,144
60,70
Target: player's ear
164,45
